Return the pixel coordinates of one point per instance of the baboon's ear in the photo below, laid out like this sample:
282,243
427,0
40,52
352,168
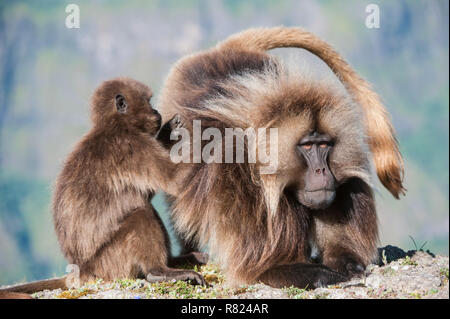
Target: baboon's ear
121,104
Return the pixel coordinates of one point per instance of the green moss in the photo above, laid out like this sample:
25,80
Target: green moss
212,274
444,272
433,291
415,295
125,282
74,293
323,295
294,292
185,289
408,261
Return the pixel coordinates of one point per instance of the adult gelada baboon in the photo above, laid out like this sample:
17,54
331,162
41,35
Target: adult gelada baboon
103,219
313,221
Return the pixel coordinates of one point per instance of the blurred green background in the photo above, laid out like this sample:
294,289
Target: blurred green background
48,72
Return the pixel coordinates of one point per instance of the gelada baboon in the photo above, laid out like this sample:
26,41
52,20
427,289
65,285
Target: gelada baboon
313,221
103,219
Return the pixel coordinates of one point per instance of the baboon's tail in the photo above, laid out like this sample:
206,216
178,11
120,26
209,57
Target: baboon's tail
381,135
22,291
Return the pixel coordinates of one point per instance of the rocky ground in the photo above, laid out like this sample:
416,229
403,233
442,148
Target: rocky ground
412,274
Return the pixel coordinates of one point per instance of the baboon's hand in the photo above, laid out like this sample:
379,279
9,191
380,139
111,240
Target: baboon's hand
176,122
194,277
354,269
346,265
171,126
322,276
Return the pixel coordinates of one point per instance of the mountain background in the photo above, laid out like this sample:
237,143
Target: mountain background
48,72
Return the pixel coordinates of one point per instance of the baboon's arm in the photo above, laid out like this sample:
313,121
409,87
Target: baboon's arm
142,164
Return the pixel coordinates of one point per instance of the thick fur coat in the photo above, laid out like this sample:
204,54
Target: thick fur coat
251,223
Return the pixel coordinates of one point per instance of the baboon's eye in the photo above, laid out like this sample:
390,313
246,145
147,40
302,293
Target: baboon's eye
307,146
323,145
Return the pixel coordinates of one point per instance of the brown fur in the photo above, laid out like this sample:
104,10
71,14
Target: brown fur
22,291
102,215
14,295
381,136
252,224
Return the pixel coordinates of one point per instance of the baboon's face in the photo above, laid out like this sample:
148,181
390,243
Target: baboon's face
308,155
138,110
316,189
321,145
127,100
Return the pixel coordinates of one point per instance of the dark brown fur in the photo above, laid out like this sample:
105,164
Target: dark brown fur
253,224
102,215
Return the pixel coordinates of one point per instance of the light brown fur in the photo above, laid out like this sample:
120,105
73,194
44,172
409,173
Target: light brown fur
252,224
380,132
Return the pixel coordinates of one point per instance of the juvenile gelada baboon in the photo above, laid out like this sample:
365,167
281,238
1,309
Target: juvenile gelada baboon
313,221
103,219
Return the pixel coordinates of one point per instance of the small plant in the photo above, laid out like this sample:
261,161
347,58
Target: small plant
415,295
384,258
408,261
294,292
211,273
125,282
185,290
414,242
444,272
177,289
74,293
323,295
433,291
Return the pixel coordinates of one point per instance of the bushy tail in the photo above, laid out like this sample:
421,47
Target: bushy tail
21,291
381,135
